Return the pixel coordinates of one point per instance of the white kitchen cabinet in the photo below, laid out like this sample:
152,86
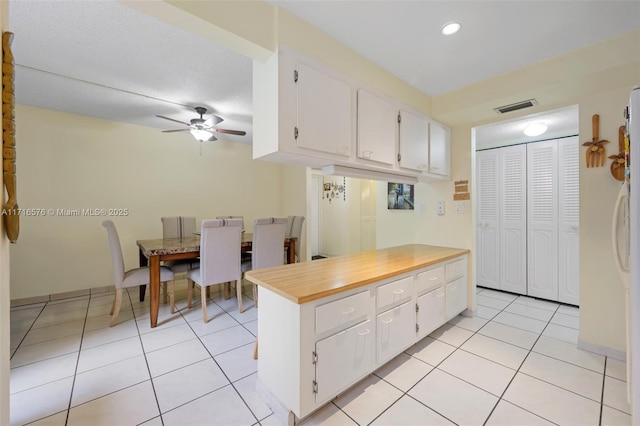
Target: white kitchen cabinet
395,331
323,112
430,312
439,149
377,128
343,358
313,350
414,142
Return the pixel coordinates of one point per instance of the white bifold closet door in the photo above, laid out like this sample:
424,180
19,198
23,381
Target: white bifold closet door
487,239
501,231
542,191
568,220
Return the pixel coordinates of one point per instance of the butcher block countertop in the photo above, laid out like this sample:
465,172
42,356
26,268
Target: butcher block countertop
307,281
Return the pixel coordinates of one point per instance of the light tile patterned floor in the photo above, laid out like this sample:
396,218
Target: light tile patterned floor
515,363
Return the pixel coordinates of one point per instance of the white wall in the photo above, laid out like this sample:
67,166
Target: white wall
602,306
341,218
67,161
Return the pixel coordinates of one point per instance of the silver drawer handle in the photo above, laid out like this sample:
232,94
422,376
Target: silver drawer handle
387,321
400,291
440,295
433,278
348,311
364,333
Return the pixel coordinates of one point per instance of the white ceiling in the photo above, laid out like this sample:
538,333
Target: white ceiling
116,63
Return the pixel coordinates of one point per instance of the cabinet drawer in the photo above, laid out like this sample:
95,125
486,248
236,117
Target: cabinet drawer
430,279
342,312
456,269
396,331
394,292
456,297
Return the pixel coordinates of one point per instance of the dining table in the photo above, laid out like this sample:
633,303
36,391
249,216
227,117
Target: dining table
153,252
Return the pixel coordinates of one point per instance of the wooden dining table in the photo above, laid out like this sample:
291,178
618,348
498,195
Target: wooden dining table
152,252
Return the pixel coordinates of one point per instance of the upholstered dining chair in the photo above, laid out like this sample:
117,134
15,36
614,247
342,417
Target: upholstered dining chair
220,241
294,229
267,246
133,277
179,227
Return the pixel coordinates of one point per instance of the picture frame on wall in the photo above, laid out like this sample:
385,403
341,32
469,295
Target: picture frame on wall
400,196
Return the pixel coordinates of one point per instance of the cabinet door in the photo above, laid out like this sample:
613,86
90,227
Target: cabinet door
414,142
439,149
487,241
542,218
324,112
343,358
513,219
456,297
431,314
396,331
568,221
377,128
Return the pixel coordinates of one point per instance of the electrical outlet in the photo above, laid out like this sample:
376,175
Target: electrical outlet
422,208
460,207
440,208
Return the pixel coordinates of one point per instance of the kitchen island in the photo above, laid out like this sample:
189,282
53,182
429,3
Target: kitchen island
326,324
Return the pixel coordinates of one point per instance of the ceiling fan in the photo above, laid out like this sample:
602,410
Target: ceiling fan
202,129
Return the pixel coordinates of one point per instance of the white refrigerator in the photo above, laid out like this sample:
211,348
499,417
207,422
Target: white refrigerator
626,247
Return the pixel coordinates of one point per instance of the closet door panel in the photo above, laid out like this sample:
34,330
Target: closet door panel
542,220
513,219
487,238
569,221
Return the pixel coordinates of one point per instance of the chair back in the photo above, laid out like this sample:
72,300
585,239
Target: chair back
268,242
178,226
233,217
295,230
220,241
117,262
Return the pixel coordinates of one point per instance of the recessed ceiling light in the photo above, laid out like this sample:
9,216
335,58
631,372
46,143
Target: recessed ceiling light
451,28
535,129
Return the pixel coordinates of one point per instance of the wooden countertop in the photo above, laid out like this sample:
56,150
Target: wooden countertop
307,281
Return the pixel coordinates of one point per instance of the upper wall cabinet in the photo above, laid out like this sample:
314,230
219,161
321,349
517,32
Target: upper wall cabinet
323,112
439,149
414,142
307,113
377,128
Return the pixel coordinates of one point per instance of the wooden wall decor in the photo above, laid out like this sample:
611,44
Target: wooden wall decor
461,190
10,208
619,160
596,152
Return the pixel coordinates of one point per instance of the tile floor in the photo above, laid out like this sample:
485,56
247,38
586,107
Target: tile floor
515,363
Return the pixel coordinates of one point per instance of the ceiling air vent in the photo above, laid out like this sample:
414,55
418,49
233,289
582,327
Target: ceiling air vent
516,106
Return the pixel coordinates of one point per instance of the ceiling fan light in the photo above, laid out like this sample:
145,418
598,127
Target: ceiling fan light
201,134
535,129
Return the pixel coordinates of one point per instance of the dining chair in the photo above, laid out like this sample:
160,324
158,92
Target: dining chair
133,277
246,256
294,229
179,227
220,241
267,247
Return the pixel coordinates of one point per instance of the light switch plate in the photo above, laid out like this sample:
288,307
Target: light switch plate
440,208
460,207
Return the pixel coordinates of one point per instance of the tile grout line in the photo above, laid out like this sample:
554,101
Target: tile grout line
604,377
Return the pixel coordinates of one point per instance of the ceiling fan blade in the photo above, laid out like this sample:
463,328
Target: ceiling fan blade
213,120
171,119
176,130
231,132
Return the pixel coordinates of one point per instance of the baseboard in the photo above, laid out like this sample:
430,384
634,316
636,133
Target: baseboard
61,296
602,350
